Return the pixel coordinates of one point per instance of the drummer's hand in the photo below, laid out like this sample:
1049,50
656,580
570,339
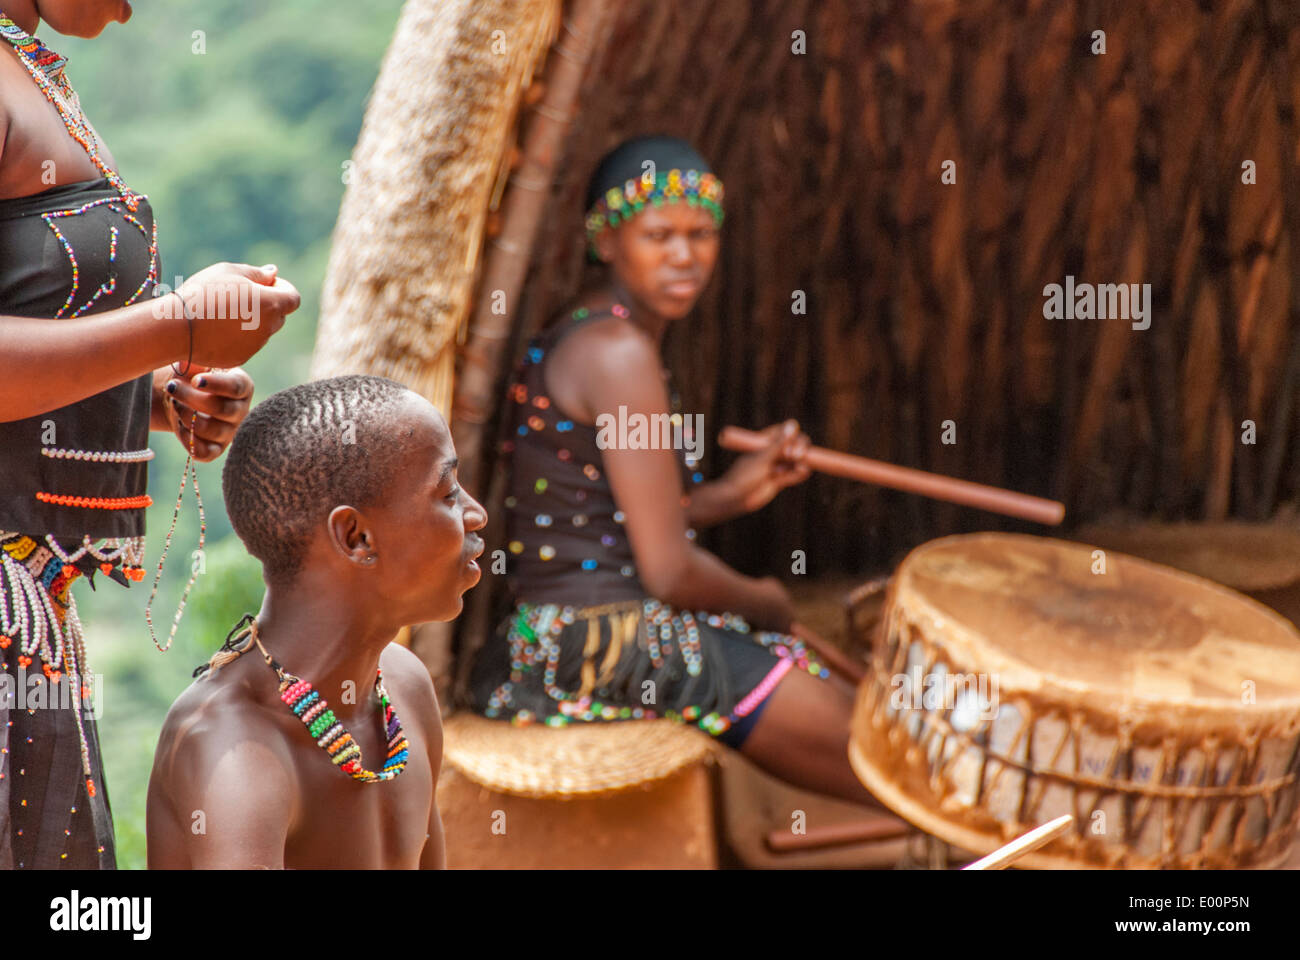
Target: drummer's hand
220,398
755,478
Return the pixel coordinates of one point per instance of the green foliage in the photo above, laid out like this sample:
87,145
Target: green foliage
240,150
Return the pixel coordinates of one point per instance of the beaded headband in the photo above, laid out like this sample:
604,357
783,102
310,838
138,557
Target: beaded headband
618,206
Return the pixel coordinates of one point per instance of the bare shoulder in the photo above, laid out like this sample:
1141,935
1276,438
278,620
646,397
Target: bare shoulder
406,675
224,790
214,725
608,350
613,332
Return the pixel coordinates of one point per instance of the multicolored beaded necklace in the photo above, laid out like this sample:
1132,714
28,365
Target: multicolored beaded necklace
330,735
46,68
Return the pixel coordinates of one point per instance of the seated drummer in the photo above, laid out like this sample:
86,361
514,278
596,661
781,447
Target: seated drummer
603,570
321,748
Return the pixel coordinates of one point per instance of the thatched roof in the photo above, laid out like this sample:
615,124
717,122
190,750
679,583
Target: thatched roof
406,248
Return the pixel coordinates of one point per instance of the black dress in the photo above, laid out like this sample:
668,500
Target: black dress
585,642
54,809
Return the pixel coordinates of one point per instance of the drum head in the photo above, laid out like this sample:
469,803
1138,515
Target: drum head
1051,615
1166,704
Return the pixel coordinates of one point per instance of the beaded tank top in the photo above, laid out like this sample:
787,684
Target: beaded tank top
565,536
71,251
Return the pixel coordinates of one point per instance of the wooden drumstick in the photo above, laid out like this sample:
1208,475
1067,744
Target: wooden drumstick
1003,857
933,485
884,827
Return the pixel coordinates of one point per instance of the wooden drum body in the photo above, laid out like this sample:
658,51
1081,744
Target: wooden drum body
1019,678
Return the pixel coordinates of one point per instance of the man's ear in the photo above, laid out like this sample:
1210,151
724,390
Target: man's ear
351,535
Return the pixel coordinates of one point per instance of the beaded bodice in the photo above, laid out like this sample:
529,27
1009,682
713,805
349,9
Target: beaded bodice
565,538
72,251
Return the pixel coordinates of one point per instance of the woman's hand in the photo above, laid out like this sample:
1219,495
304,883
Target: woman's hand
755,478
233,309
219,398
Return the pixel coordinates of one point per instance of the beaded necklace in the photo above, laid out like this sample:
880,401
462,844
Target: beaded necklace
190,472
330,735
46,69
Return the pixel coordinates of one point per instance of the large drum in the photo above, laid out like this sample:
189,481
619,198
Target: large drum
1016,678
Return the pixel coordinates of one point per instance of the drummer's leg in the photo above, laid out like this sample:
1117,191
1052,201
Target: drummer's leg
802,736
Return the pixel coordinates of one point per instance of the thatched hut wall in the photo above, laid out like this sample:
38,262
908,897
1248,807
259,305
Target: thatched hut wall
925,299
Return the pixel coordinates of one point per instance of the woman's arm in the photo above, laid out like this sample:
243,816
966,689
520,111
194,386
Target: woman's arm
711,503
51,363
620,367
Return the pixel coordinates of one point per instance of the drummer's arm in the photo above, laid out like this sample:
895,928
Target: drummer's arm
647,487
710,503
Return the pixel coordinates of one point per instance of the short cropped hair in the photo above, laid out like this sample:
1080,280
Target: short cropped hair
302,452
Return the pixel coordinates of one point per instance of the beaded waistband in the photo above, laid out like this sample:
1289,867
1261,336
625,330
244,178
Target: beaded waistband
137,502
118,558
39,614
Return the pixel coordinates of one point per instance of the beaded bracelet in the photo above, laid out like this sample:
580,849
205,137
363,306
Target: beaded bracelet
189,322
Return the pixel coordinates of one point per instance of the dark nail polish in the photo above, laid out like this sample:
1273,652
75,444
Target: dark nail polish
171,386
203,381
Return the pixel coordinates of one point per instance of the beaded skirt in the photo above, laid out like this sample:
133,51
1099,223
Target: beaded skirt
54,810
632,660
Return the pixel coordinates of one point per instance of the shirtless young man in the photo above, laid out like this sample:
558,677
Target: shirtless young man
345,489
